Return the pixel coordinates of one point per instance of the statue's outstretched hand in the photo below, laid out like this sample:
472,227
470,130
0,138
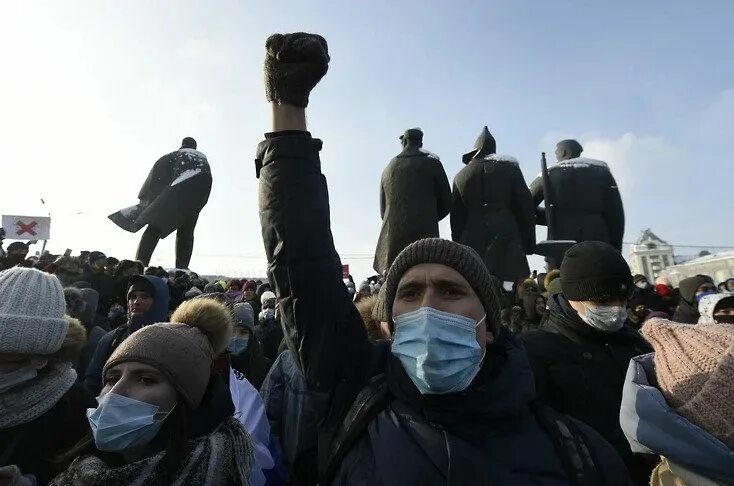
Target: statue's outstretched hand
294,64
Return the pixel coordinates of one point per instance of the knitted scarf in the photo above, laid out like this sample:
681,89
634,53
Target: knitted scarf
224,457
28,402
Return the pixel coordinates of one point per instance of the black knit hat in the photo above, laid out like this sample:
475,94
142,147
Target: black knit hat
596,271
461,258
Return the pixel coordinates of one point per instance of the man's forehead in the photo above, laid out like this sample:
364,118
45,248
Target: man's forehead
432,272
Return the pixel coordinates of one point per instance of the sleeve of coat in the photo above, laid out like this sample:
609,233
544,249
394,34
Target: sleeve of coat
323,329
158,178
536,192
93,376
458,214
443,192
614,214
272,391
524,210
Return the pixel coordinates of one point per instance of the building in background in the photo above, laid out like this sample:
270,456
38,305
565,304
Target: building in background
650,255
719,266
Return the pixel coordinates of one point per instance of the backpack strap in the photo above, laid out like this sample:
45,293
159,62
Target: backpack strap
370,402
569,444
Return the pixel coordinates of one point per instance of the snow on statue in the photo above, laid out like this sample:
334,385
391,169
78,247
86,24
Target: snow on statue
171,198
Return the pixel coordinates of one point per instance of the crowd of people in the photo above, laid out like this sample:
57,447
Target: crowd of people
430,373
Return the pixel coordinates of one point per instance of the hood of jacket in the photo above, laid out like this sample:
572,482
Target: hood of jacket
707,306
653,427
689,286
158,312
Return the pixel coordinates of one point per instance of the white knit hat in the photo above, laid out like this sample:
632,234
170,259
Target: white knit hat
32,311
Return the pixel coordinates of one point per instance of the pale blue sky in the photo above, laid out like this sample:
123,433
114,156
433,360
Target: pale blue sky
92,93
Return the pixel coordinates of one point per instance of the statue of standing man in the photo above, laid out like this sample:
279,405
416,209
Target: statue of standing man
414,196
586,200
176,190
493,211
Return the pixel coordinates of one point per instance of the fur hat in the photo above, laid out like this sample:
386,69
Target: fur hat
550,277
182,350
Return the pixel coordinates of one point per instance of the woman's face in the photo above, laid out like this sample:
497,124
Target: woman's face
540,305
140,382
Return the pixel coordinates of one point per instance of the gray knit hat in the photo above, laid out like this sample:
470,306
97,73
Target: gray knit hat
32,308
244,316
461,258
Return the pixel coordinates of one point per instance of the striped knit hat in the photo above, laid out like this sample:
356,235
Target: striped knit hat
461,258
32,308
694,366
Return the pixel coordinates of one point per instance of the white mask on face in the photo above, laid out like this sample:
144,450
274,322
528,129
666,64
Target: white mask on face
605,318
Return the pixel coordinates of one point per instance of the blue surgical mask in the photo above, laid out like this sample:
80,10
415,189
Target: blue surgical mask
239,344
121,423
438,350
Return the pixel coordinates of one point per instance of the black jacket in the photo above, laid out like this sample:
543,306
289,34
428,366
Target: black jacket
38,445
493,213
587,201
486,434
580,371
414,196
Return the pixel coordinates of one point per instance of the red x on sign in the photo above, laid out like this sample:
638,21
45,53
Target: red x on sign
26,228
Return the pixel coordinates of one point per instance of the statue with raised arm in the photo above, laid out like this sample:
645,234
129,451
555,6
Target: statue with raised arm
492,210
414,196
586,200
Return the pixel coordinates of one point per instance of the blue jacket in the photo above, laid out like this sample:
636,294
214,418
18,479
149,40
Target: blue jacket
292,420
653,427
158,313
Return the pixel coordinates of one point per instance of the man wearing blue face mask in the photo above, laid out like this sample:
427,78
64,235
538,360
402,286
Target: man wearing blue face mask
450,400
580,355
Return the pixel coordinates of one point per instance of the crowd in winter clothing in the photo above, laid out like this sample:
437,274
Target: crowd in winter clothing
432,372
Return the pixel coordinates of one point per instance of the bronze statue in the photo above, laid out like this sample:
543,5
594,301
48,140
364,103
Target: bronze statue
414,196
492,210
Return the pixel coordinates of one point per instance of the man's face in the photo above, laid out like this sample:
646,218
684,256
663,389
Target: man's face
139,302
725,315
581,307
441,288
248,294
730,285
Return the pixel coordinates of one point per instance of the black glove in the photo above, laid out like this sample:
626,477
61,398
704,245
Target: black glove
294,63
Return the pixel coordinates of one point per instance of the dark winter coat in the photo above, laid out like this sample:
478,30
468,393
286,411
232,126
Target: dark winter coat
175,191
485,435
580,371
269,334
587,201
292,419
35,446
105,287
493,213
414,196
109,342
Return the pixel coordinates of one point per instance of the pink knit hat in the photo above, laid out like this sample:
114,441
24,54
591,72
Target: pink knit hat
694,365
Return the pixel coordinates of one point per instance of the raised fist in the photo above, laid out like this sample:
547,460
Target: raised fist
294,63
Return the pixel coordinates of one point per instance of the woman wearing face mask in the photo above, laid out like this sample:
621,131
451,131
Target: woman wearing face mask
245,352
41,407
140,427
580,356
